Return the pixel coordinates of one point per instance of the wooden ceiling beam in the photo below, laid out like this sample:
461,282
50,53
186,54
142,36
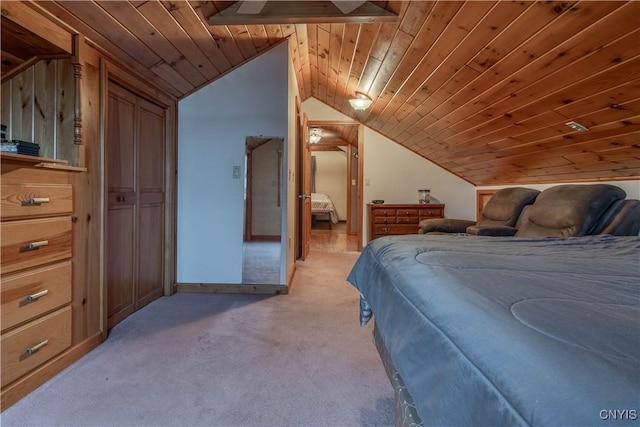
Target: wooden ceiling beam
292,12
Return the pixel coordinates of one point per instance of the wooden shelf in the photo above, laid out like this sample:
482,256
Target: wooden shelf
59,166
42,162
31,159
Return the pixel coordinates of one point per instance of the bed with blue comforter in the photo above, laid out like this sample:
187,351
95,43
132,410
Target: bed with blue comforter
490,331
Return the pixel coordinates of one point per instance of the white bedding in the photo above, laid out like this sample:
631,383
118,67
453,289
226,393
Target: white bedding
322,204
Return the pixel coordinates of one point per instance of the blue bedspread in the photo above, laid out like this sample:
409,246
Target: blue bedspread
490,331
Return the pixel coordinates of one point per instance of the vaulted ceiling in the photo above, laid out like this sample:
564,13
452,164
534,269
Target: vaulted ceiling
481,88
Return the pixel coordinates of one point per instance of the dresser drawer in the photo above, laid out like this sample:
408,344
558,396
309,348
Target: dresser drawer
27,295
31,345
394,229
384,212
407,212
432,213
31,200
408,220
385,220
30,243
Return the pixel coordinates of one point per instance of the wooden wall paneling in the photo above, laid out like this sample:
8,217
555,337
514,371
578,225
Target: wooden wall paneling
324,38
399,45
259,37
295,59
274,32
103,29
609,98
303,52
188,19
414,23
110,49
502,49
366,38
443,83
127,15
437,65
440,17
336,43
448,78
618,52
22,106
492,86
368,74
6,104
45,95
88,242
220,34
349,40
65,110
162,20
312,41
591,85
243,40
108,35
27,17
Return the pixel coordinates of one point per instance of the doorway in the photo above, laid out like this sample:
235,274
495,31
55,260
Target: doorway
342,142
263,210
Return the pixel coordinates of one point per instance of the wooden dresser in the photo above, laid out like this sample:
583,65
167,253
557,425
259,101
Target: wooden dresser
395,219
36,269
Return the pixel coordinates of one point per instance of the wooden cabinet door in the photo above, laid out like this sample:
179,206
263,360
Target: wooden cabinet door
121,205
151,138
135,218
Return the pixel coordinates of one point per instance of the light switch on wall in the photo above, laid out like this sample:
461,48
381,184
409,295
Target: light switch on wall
367,182
236,172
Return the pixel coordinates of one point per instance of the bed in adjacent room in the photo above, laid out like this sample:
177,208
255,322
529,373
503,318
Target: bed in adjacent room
322,206
507,331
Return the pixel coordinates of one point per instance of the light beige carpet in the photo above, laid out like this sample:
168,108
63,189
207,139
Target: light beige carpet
228,360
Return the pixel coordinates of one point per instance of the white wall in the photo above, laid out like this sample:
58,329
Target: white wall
212,126
331,178
395,174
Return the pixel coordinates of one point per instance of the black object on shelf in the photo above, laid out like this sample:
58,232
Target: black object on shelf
20,147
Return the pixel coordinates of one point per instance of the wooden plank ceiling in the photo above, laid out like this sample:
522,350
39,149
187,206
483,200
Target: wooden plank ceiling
481,88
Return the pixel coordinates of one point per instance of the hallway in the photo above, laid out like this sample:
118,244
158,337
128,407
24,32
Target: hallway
334,240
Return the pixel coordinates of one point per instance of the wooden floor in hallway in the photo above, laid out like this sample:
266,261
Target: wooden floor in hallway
334,239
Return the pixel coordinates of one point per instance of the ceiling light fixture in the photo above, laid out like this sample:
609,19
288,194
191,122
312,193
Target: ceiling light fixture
577,126
315,135
360,102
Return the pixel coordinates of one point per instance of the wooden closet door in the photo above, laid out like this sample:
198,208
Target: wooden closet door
121,204
151,136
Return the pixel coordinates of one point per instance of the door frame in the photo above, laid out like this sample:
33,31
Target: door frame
305,154
248,208
112,72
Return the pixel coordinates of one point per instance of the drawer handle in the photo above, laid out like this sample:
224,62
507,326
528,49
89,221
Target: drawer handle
36,296
35,201
35,348
34,245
